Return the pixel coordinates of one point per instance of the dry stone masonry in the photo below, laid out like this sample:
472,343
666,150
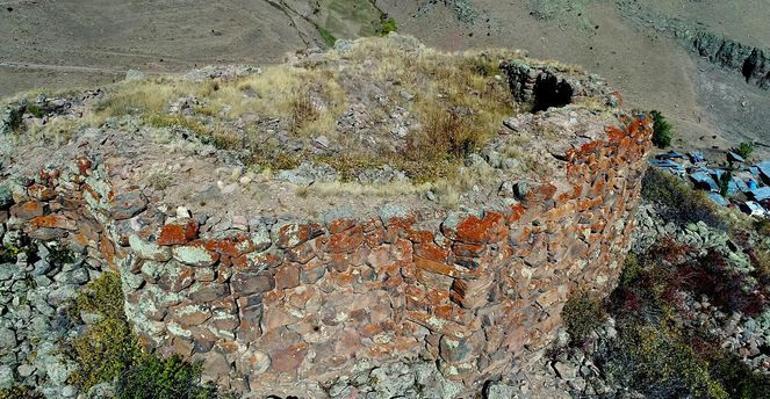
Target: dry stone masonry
399,299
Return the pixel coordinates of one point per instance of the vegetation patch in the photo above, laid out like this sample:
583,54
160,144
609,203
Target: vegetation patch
327,37
653,353
454,104
387,25
745,149
108,352
679,201
662,130
582,314
20,392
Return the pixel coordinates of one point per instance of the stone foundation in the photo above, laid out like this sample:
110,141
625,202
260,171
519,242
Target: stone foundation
290,307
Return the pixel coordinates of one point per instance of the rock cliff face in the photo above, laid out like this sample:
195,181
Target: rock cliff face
401,299
753,63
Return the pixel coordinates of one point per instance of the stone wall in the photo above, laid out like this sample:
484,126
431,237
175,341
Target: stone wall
542,86
291,307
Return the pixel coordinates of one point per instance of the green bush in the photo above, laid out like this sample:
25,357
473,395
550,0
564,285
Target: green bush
108,352
582,314
662,130
10,252
680,203
745,149
724,182
327,37
387,25
169,378
35,110
20,392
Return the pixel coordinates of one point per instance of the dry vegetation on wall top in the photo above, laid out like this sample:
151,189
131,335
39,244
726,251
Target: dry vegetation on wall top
376,118
381,100
361,105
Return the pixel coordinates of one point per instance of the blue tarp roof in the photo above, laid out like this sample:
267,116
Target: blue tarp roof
696,156
764,170
735,157
740,185
718,199
668,164
760,194
703,180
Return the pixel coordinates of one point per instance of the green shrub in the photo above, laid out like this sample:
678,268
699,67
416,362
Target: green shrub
387,25
169,378
662,130
745,149
631,270
327,37
680,203
35,110
20,392
582,314
60,254
108,351
9,252
724,182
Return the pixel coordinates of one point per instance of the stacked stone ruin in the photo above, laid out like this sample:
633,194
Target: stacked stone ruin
293,307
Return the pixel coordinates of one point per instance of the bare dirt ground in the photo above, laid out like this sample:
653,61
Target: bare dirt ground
66,43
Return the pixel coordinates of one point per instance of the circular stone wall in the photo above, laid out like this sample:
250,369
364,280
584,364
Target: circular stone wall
327,305
290,307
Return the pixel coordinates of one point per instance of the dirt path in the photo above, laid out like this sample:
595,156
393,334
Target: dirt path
61,68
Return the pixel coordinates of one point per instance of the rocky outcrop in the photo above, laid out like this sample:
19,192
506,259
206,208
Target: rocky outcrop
542,86
752,62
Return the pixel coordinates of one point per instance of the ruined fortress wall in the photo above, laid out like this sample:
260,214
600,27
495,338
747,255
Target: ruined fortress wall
288,307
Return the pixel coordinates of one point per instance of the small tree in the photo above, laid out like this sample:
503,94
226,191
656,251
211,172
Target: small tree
387,25
662,130
745,149
724,182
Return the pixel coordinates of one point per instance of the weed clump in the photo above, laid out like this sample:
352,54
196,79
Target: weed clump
680,202
387,25
662,130
35,110
582,314
20,392
154,377
745,149
328,38
108,351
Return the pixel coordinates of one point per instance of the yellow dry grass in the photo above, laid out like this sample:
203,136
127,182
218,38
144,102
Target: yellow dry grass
457,99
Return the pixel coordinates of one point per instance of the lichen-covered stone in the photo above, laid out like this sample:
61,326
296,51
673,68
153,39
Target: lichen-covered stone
195,255
148,250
